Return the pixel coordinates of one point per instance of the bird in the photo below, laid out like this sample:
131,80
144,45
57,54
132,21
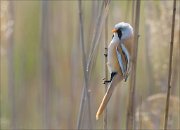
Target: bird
119,53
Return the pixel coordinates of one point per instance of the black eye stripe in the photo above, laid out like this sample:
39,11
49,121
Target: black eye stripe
119,32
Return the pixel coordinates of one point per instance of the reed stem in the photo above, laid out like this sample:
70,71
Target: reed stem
105,119
130,112
46,64
11,80
85,94
170,67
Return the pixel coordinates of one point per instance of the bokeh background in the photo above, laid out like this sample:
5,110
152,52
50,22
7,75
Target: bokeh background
42,74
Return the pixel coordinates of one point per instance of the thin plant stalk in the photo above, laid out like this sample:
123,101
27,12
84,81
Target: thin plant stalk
46,66
87,65
147,60
85,89
130,111
95,37
101,21
140,114
10,59
106,69
170,68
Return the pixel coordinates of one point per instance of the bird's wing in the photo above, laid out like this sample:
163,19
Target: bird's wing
125,66
121,64
127,56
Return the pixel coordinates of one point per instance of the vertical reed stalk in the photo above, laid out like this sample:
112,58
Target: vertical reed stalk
170,67
88,65
140,114
10,60
130,112
106,70
96,36
46,67
147,60
133,11
85,94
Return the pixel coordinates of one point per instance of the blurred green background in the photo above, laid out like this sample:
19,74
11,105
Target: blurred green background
42,71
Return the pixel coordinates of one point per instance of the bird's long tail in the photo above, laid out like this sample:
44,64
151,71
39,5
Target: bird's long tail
107,96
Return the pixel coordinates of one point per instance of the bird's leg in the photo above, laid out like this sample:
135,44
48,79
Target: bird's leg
112,76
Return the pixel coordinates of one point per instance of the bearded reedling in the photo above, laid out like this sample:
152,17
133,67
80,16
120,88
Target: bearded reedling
119,60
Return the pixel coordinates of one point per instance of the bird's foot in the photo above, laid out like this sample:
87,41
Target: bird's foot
106,81
105,55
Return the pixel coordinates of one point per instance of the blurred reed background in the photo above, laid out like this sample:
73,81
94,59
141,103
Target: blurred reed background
43,72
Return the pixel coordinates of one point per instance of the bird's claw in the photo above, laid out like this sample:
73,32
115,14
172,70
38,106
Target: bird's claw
106,82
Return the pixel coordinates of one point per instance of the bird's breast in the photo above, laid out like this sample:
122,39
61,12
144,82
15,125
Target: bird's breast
113,64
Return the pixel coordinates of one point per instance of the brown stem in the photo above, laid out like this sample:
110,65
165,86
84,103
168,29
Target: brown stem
85,94
130,112
10,60
106,70
46,66
170,67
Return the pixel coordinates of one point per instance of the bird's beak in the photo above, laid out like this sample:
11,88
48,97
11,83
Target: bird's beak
114,30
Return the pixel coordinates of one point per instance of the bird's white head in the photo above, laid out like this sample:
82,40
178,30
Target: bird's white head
124,30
